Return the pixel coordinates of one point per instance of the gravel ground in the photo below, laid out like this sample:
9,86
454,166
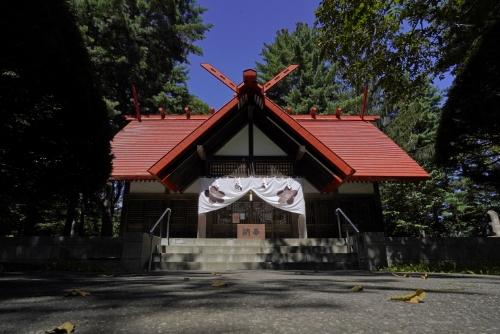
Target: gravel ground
255,301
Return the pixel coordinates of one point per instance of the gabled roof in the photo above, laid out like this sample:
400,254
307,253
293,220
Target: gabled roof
139,145
373,155
337,148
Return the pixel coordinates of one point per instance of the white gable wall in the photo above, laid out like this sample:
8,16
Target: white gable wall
263,146
238,145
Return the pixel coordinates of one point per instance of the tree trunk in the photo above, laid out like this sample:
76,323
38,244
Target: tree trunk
30,221
107,211
70,216
81,216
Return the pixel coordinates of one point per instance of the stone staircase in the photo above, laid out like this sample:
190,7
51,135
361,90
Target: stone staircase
236,254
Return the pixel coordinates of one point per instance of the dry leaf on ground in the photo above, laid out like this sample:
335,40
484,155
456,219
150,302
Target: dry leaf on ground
216,274
402,276
73,293
426,276
357,288
186,278
219,284
419,295
67,327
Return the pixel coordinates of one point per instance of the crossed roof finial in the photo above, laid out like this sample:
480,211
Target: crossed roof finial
249,80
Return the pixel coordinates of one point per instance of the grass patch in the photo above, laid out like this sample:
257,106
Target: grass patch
484,268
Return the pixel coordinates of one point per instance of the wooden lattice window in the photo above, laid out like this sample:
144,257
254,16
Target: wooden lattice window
221,168
142,214
274,168
184,218
361,212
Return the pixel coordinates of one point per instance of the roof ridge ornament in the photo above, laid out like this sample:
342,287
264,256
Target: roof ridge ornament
249,84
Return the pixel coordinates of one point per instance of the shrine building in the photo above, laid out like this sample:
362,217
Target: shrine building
251,162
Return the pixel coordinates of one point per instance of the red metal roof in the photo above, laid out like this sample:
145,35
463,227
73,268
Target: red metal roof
309,137
365,148
141,144
169,156
359,151
360,144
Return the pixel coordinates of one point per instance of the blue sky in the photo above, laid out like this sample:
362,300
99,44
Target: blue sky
241,27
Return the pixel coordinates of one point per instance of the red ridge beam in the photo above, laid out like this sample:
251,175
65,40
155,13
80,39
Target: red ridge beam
221,77
280,76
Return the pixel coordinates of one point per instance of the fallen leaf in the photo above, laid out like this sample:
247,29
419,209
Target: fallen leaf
216,274
67,327
426,276
414,300
105,276
420,294
219,284
73,293
357,288
402,276
186,278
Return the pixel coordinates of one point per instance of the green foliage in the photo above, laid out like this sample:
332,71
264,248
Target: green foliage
484,268
401,43
313,84
446,204
143,43
198,107
55,132
411,210
468,137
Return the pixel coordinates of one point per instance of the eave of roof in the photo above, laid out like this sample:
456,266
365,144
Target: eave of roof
140,144
374,155
188,141
346,169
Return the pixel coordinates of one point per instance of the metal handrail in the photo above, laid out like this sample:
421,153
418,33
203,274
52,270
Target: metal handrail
151,233
347,232
347,218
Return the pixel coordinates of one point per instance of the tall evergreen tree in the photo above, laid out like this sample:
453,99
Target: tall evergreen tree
147,44
313,84
55,131
144,43
468,137
445,205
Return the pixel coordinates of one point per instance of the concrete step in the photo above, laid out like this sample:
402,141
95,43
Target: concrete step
178,249
253,242
221,266
237,254
255,257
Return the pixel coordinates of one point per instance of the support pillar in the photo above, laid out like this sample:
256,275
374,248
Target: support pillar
302,227
202,225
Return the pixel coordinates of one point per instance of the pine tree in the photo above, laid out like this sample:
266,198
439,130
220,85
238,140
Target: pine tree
468,137
312,84
142,43
445,205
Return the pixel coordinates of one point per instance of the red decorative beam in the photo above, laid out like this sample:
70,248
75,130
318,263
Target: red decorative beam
137,112
333,185
221,77
278,78
364,102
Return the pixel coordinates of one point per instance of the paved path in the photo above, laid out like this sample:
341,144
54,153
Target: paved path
254,302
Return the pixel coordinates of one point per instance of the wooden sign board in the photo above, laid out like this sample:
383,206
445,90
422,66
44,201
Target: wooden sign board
236,218
251,231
